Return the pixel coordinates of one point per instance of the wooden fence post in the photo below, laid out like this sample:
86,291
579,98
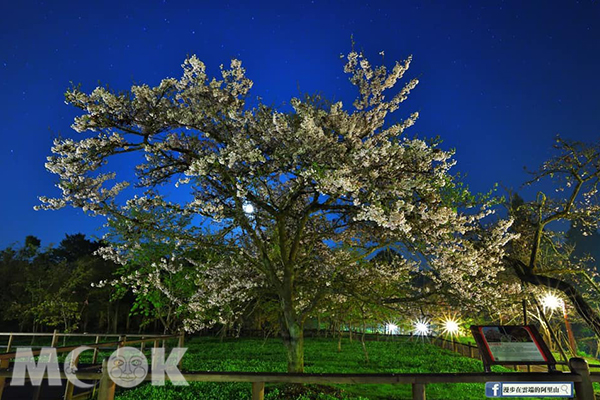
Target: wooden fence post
120,344
156,346
3,364
181,343
69,386
418,391
258,390
106,390
584,390
95,357
9,345
54,338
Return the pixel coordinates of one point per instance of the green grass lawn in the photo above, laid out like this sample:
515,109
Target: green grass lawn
321,356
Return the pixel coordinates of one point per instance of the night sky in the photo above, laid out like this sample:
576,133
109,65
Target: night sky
499,79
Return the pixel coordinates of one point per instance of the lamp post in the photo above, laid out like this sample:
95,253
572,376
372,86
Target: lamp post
553,302
569,331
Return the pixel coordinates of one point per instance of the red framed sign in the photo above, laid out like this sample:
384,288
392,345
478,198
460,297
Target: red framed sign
512,344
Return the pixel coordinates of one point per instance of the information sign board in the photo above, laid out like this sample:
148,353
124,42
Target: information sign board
512,344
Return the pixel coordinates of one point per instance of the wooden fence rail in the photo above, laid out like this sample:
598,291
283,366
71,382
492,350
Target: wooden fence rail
579,374
579,370
123,340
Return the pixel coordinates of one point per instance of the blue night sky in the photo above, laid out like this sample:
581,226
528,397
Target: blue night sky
499,79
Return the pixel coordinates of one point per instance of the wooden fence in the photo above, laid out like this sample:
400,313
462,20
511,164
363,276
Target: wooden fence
579,371
579,374
122,340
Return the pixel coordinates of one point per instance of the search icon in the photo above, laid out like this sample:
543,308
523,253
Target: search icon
565,389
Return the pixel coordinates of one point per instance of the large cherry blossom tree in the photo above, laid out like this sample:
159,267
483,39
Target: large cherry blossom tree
280,195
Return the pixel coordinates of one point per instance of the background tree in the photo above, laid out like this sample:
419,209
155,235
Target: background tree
278,194
50,287
542,256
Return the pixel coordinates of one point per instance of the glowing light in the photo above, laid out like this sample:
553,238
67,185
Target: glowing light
450,327
421,327
551,302
248,208
391,329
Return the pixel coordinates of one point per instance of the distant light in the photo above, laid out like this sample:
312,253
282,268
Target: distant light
451,327
391,329
248,208
421,327
551,302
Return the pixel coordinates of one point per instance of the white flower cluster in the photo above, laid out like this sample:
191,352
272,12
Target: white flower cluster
317,177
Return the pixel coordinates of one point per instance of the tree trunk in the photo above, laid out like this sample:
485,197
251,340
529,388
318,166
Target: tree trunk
108,312
116,319
364,346
292,332
584,310
128,321
223,333
34,331
319,325
339,338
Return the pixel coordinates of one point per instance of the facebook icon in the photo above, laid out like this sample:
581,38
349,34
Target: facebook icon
493,389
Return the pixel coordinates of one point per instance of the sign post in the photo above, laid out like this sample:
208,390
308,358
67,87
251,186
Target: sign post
512,345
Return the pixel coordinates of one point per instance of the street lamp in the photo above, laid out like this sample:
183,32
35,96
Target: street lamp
552,302
450,327
421,327
391,329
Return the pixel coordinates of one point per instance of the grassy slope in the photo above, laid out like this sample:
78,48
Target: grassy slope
321,357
